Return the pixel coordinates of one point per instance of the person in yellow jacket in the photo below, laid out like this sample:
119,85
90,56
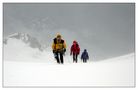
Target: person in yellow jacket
59,48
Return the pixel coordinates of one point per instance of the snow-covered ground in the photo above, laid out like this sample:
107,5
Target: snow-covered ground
25,66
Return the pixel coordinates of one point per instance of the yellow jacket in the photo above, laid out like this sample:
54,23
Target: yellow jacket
58,45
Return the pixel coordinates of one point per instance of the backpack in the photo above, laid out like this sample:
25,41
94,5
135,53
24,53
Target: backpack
85,55
75,49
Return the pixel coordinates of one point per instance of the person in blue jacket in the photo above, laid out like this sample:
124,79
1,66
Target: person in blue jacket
84,56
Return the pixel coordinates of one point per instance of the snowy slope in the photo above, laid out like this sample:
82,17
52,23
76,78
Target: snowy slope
112,72
26,66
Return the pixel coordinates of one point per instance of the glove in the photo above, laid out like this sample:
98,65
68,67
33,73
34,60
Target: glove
70,54
64,50
54,51
78,53
55,55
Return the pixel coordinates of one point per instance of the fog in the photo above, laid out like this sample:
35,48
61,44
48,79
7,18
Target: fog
105,30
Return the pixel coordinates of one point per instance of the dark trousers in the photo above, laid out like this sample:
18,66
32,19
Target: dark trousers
57,58
75,57
84,60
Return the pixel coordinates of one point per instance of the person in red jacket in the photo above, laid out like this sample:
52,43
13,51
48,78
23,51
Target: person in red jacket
75,50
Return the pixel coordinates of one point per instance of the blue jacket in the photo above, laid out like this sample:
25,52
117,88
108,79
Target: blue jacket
85,55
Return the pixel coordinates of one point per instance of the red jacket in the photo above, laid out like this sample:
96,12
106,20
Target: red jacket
75,49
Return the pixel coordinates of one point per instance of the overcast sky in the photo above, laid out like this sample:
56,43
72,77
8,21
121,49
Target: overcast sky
106,30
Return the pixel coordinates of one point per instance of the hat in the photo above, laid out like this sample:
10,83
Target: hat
58,35
74,41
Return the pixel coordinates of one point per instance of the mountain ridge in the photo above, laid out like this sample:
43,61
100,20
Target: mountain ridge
27,39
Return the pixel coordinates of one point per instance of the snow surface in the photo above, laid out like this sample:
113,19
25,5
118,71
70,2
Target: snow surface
26,66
